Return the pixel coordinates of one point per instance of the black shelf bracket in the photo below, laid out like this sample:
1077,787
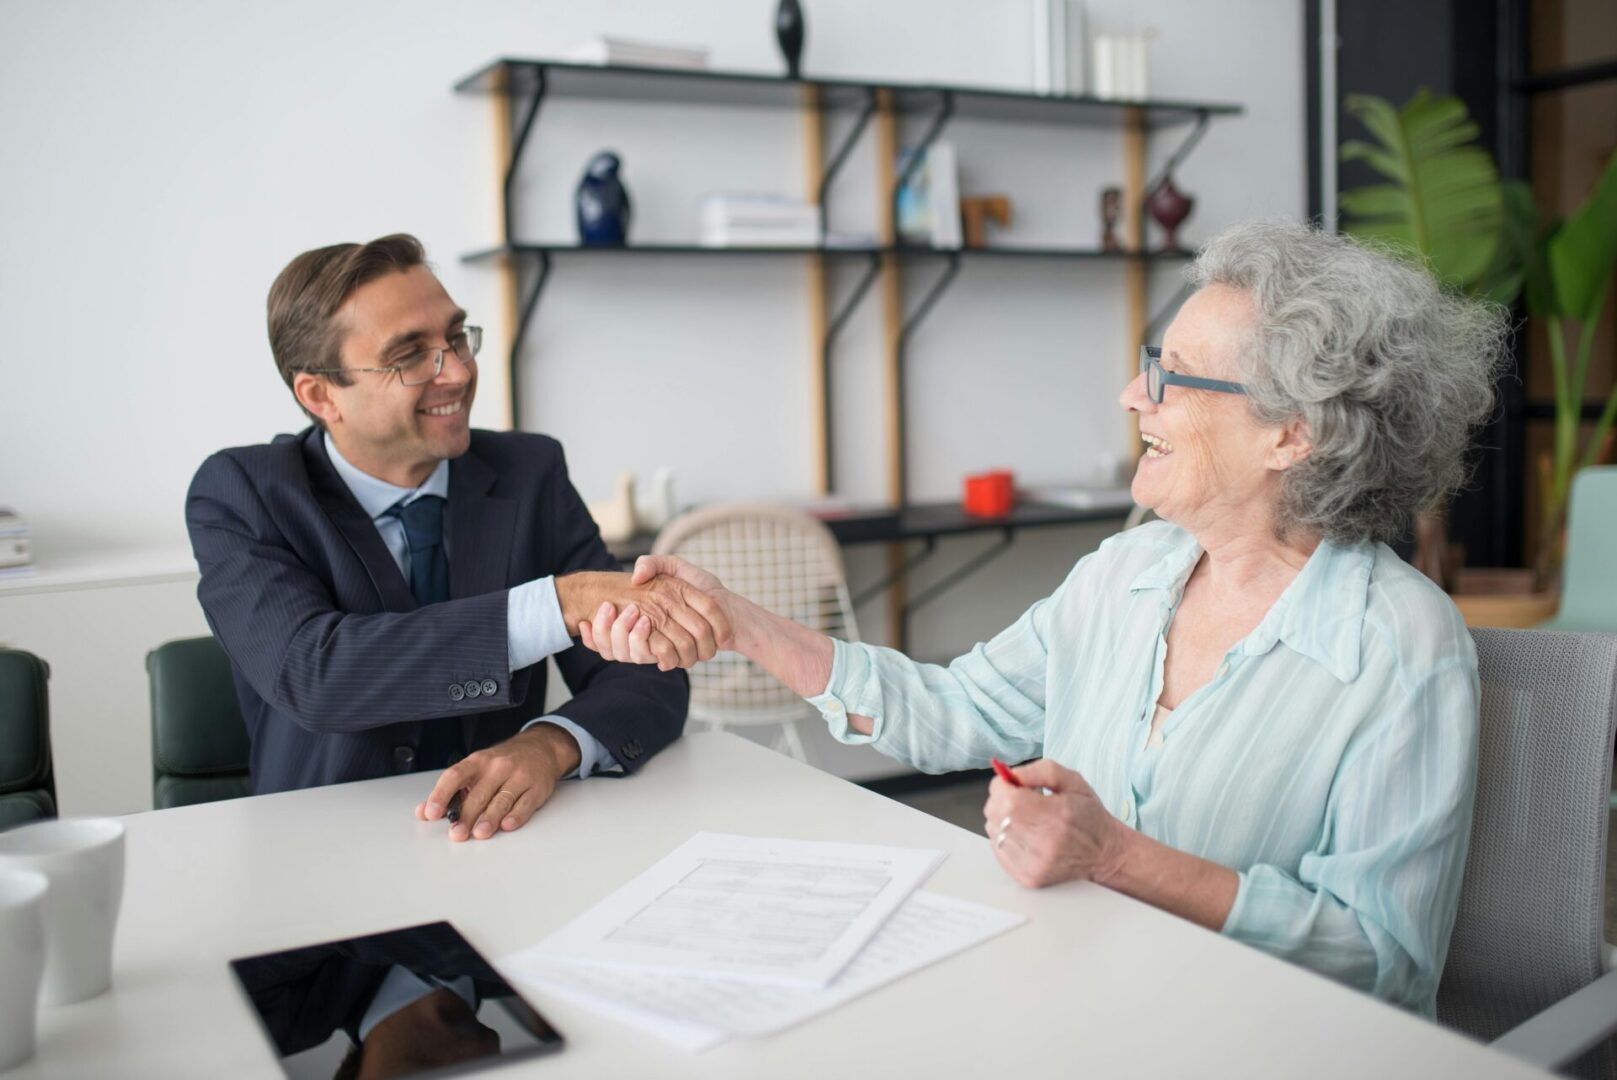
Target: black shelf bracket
529,303
840,158
1182,151
832,330
961,572
524,129
870,592
933,293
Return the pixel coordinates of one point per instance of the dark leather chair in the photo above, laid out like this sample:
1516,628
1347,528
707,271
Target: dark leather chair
27,787
199,743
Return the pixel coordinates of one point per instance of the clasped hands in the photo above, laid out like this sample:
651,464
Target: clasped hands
663,620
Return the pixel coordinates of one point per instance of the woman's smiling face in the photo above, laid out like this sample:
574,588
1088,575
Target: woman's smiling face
1207,462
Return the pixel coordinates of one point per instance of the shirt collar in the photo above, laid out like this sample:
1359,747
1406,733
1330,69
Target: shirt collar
375,496
1320,614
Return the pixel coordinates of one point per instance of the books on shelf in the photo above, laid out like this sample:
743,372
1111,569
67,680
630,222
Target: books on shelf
616,50
1059,47
732,219
929,201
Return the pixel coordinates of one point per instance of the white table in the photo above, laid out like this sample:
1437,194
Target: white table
1094,984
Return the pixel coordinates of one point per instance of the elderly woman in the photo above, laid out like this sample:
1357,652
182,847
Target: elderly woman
1251,713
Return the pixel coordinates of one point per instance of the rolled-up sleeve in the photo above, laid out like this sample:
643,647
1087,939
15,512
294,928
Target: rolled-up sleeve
988,703
1374,904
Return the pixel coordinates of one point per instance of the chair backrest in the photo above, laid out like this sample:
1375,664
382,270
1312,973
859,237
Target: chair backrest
1589,574
1531,921
199,742
27,786
779,558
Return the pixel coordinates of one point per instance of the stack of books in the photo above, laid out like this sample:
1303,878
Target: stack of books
623,52
16,550
743,220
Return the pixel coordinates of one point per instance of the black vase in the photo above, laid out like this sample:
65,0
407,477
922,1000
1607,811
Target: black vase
603,204
789,32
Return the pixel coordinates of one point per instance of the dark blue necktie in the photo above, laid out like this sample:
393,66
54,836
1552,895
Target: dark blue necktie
423,522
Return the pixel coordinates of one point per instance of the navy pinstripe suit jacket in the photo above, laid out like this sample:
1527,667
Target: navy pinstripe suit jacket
336,667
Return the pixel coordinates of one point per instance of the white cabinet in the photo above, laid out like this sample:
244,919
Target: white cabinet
93,620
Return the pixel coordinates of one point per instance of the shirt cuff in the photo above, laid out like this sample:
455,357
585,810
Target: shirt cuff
592,756
850,670
534,626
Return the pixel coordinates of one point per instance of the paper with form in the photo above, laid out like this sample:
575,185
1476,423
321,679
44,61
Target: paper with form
697,1013
747,907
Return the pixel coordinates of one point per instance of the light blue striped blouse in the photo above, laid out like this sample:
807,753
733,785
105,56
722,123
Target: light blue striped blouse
1331,761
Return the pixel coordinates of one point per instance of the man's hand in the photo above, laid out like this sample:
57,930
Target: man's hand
624,633
504,784
682,623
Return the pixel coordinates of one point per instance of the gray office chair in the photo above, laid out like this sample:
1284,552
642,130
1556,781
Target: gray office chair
27,786
199,742
1526,966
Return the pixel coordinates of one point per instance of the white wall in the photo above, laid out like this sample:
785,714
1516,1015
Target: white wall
163,159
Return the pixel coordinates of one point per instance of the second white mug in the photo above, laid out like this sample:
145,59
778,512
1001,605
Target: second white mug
84,860
22,945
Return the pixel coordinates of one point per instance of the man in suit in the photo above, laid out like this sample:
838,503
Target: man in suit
388,583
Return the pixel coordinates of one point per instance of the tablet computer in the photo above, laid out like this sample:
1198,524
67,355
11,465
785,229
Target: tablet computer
415,1002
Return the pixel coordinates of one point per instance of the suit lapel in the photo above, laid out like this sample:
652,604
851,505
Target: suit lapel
356,527
481,529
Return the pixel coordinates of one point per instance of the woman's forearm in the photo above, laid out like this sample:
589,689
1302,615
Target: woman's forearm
1175,881
797,656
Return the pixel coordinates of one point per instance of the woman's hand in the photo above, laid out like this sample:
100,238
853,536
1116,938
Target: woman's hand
1041,839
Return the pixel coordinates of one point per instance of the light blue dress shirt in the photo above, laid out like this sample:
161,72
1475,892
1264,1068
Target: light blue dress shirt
1331,761
535,627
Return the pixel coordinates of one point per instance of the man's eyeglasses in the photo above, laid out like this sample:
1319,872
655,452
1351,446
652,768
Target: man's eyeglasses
427,364
1157,380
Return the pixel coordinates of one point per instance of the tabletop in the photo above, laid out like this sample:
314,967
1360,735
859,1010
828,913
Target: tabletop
1093,982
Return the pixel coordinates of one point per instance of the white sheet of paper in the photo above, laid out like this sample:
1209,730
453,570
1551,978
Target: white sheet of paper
769,910
926,929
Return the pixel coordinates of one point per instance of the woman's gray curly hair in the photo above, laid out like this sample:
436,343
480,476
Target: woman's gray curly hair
1391,373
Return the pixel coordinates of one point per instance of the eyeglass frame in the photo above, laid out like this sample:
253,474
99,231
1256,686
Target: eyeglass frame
474,344
1151,357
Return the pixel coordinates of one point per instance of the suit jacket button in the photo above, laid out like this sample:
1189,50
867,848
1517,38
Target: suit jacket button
490,687
456,691
471,687
404,758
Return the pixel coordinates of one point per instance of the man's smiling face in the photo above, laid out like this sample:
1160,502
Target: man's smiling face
396,432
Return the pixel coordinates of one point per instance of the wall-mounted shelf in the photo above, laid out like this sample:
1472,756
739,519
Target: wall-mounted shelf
520,87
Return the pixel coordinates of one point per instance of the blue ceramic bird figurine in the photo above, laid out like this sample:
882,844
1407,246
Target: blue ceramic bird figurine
603,204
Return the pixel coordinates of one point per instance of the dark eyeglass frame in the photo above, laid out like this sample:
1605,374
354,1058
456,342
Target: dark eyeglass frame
1158,379
474,343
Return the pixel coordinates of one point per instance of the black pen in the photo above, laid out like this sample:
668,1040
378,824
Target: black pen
453,813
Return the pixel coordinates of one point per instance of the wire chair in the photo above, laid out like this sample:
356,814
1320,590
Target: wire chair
785,561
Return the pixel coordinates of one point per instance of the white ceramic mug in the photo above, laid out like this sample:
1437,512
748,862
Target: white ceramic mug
22,959
84,860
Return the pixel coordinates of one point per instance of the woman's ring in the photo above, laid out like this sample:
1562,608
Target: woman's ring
1004,826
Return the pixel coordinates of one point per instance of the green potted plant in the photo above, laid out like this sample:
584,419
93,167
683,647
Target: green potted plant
1442,202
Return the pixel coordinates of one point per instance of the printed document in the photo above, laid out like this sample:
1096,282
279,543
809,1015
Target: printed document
697,1013
792,912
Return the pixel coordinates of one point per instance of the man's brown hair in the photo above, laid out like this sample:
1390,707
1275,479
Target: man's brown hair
306,295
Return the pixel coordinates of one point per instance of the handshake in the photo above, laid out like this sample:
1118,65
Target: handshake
668,612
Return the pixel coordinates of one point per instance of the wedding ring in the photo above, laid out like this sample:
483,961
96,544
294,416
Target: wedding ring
1004,827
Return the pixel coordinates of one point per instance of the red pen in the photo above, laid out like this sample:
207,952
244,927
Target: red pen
1003,771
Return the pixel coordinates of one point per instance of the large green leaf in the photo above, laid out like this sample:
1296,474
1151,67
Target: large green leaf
1443,199
1584,248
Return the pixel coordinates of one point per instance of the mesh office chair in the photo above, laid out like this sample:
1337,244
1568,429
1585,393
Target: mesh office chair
27,786
199,742
780,559
1589,575
1526,965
